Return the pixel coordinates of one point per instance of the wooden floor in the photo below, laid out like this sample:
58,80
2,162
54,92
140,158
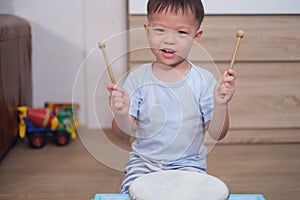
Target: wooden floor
72,173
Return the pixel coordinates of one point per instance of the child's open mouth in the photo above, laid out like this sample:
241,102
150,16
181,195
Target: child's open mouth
168,53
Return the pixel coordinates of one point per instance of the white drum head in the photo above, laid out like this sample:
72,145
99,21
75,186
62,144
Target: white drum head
176,184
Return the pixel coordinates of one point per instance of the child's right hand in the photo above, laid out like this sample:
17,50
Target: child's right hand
118,100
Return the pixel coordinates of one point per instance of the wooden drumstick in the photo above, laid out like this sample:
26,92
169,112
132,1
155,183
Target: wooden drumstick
102,46
239,34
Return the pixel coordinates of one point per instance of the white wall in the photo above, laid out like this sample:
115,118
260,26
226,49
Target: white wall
234,6
103,20
63,33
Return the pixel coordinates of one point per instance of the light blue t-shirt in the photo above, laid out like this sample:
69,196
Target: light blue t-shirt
170,117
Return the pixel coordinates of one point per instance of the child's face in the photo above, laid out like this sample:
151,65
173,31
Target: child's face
171,36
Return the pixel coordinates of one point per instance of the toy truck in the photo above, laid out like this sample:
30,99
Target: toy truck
54,120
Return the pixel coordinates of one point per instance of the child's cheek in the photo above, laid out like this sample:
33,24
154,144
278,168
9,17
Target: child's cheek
184,48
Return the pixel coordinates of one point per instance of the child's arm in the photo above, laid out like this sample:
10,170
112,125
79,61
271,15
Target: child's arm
123,124
219,124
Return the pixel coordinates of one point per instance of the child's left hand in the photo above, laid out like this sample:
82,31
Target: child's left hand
224,89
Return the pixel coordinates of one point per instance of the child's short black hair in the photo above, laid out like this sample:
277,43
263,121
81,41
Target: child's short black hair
196,6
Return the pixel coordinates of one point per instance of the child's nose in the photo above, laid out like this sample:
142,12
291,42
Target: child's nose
170,38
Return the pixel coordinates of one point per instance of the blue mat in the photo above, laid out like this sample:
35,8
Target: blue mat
232,197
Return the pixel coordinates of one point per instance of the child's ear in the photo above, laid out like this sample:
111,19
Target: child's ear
146,27
198,35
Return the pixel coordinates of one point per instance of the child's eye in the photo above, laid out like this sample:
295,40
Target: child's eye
182,33
159,30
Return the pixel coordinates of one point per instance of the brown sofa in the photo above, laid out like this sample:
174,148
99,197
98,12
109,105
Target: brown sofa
15,76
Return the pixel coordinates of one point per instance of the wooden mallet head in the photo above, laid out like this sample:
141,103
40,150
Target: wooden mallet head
240,34
101,45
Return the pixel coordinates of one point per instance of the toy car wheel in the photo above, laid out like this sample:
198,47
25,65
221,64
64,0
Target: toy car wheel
36,140
61,138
